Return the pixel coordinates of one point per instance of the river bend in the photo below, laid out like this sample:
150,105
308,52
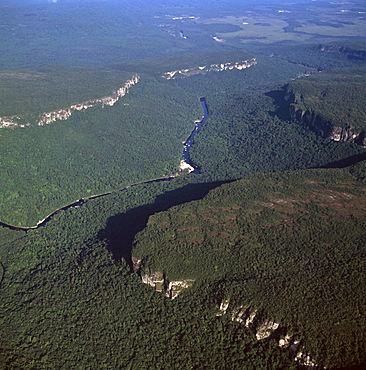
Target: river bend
185,158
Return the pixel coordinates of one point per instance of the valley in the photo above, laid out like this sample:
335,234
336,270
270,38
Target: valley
250,245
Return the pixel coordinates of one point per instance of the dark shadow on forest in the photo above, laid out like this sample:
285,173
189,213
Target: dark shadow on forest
121,229
346,162
282,106
356,367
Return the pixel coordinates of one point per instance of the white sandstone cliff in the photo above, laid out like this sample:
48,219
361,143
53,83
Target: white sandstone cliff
63,114
210,68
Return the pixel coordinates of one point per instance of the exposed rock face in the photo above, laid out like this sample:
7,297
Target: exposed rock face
59,115
160,282
306,360
11,122
184,166
264,328
323,128
65,113
224,305
155,279
174,288
251,318
289,343
210,68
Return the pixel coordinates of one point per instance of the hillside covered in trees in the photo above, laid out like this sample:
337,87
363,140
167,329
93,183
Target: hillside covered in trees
97,99
289,244
331,99
118,144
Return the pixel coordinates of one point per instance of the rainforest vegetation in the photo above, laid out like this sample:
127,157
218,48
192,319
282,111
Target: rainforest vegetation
260,226
51,87
249,127
282,242
336,97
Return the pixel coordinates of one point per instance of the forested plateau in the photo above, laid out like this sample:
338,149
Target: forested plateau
118,145
332,103
262,249
56,279
289,245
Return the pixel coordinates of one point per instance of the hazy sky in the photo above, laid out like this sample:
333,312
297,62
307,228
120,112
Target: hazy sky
162,2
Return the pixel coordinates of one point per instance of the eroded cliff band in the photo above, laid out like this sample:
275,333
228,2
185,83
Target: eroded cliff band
65,113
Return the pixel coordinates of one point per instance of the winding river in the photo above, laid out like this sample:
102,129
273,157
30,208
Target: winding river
185,158
188,143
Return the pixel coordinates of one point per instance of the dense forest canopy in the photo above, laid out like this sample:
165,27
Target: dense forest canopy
115,146
284,247
50,87
338,96
270,242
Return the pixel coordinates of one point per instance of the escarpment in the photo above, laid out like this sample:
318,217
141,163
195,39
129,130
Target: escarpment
263,329
217,67
65,113
323,126
265,249
159,281
331,103
352,51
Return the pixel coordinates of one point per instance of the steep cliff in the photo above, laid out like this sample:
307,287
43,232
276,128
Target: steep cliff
353,50
279,257
332,103
322,125
64,113
160,282
216,67
246,315
263,328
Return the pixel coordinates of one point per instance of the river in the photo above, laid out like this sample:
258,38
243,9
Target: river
79,202
188,143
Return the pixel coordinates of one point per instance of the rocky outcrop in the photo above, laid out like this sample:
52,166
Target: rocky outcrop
11,122
322,127
160,282
224,305
251,318
264,328
65,113
174,288
155,279
184,166
210,68
59,115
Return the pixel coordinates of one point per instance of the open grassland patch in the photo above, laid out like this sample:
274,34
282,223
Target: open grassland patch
345,204
267,30
353,29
